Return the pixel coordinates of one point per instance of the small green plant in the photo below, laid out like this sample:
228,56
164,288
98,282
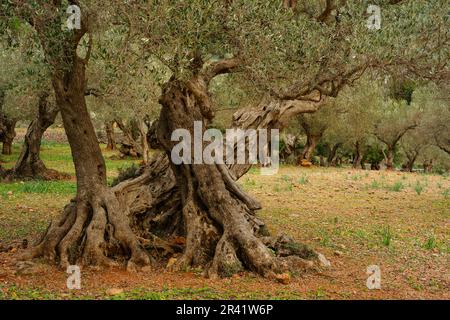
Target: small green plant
303,180
397,187
431,243
386,236
250,182
325,239
418,188
375,184
446,193
286,178
253,170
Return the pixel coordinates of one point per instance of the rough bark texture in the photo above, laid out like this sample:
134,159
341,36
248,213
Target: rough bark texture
144,141
8,135
222,231
7,128
358,157
428,166
110,136
310,147
202,205
198,210
270,114
94,228
390,152
331,159
131,145
411,157
313,136
29,164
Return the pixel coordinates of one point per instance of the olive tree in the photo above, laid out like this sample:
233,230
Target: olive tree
297,55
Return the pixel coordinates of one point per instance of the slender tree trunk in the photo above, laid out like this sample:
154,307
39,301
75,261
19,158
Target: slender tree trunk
331,160
9,135
110,136
322,161
390,158
428,166
363,163
358,156
310,147
2,117
29,163
144,142
411,160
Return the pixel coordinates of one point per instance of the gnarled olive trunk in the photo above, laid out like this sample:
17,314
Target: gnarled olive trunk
201,204
131,145
29,163
94,228
221,229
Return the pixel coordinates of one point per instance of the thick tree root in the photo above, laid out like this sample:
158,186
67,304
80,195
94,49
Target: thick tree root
92,232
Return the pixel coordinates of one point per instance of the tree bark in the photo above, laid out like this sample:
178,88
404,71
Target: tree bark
310,147
29,163
110,136
313,136
331,159
270,114
202,203
94,228
7,127
359,155
131,145
222,231
390,158
144,141
428,166
411,157
8,135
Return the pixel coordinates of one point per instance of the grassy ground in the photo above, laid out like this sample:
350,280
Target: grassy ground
398,221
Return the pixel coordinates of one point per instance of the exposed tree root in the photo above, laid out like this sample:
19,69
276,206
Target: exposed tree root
92,231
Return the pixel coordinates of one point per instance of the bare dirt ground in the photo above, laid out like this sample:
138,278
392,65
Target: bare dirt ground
398,221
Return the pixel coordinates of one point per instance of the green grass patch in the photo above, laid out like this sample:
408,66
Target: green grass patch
397,187
38,186
303,180
386,236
